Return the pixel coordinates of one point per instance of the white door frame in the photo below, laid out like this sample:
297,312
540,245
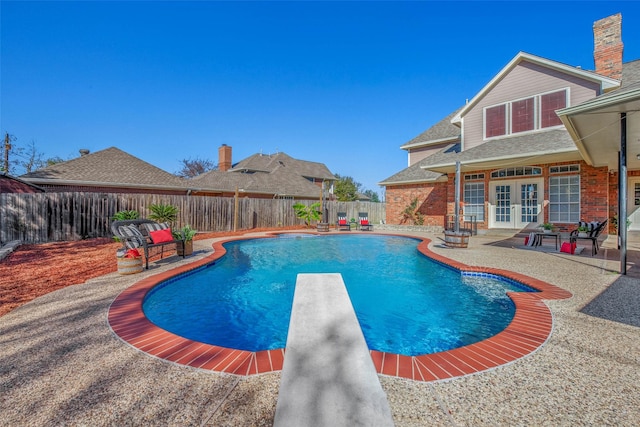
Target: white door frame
515,204
633,203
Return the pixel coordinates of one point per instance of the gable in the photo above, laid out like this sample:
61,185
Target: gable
524,80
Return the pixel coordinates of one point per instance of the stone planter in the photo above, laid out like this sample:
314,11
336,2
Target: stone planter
545,231
184,248
583,234
458,239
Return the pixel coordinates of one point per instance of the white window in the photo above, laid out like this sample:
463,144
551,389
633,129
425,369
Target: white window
474,200
524,115
564,199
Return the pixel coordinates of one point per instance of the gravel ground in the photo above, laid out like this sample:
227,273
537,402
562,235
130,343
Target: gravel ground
60,364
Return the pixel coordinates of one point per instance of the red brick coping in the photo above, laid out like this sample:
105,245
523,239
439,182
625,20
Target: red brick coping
529,329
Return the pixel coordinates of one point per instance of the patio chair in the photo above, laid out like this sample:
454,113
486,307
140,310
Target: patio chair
594,229
343,222
363,221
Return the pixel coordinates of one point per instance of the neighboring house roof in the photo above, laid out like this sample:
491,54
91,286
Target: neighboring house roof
271,162
111,167
278,183
12,184
277,174
443,131
415,174
606,84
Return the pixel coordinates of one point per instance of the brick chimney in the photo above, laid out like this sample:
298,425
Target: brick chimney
224,158
607,52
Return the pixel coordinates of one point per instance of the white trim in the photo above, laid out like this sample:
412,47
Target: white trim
428,143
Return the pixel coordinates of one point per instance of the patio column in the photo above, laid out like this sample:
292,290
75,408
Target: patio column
622,194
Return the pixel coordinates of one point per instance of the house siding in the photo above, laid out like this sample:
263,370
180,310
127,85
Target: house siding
526,79
418,154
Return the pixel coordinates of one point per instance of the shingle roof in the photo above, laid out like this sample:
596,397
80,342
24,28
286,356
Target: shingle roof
109,166
443,130
416,174
271,162
557,140
279,175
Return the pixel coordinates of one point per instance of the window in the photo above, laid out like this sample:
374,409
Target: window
551,102
564,198
495,121
474,177
564,168
519,171
474,200
523,115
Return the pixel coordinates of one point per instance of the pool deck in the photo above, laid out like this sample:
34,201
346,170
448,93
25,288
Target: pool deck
60,363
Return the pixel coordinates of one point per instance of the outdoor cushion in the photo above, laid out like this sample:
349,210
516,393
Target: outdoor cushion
342,222
156,226
160,236
134,238
364,222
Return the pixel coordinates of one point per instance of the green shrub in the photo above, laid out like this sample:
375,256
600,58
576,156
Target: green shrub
124,215
163,213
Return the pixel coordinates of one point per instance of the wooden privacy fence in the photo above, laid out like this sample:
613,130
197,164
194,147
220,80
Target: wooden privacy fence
47,217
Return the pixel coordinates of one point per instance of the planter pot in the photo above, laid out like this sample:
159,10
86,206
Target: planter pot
184,249
583,234
456,240
129,265
546,231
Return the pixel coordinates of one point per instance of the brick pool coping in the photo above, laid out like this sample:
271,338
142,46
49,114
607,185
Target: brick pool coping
530,328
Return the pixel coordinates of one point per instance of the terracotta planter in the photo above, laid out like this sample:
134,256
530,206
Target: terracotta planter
185,249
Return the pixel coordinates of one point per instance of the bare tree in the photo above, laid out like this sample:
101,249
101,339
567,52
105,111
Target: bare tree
32,159
195,167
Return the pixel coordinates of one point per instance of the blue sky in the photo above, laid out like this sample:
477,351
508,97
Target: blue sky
342,83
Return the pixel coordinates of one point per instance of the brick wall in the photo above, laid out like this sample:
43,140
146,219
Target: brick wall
432,202
597,186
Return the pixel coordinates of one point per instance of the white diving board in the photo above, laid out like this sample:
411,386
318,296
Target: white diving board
328,377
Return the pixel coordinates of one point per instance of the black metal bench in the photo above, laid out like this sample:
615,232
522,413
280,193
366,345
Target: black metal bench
591,235
146,243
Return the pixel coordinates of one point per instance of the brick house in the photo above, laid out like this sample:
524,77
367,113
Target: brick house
520,164
11,184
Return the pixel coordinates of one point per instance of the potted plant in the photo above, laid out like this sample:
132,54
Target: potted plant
547,227
583,231
185,235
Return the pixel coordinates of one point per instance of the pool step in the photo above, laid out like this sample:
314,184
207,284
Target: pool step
328,377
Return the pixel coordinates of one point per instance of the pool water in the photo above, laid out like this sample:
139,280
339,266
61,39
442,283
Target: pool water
405,302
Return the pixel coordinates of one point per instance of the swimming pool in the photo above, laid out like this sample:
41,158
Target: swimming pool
405,302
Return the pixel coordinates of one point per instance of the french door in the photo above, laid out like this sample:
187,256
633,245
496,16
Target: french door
633,203
516,203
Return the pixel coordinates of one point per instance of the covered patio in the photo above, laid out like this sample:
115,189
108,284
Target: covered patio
606,131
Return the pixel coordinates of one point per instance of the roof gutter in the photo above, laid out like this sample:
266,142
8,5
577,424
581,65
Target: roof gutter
44,181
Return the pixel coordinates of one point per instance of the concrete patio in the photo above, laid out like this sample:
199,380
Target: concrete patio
61,364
